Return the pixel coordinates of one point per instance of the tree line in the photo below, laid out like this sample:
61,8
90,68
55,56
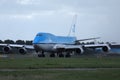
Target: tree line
23,42
29,42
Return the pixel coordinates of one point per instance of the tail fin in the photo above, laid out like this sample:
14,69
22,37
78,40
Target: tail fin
73,26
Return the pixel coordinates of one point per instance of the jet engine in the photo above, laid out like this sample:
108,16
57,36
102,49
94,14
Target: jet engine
7,49
105,48
79,50
23,50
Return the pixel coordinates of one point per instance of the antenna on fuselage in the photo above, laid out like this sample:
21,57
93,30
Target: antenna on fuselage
73,26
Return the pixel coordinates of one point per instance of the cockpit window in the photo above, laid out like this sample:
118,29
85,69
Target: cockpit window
39,34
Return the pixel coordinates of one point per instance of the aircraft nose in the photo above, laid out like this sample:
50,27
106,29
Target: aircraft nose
36,40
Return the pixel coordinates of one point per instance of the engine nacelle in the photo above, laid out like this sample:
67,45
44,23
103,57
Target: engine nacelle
7,49
79,51
105,48
23,50
59,48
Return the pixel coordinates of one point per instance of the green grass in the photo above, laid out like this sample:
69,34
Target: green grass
99,74
107,68
36,63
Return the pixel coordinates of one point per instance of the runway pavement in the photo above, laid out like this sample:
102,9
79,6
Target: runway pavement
34,55
58,69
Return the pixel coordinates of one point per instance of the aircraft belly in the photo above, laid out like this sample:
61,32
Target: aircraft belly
46,47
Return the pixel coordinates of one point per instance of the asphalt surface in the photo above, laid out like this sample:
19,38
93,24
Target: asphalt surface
58,69
31,55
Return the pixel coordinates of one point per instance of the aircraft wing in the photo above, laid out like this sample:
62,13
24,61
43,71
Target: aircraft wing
17,47
62,47
104,47
80,48
87,39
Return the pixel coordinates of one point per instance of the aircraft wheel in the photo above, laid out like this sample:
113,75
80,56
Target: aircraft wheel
61,55
52,55
41,55
67,55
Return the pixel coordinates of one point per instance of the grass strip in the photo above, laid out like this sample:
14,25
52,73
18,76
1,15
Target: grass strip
37,63
99,74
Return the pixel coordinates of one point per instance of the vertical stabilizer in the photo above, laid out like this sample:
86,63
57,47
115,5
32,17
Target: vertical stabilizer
73,26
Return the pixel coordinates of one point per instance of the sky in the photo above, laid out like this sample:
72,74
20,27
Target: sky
23,19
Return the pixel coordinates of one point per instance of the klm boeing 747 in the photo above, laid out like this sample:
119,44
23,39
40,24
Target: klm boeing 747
61,45
56,45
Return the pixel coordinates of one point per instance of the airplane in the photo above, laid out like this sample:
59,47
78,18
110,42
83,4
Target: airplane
62,46
47,42
55,45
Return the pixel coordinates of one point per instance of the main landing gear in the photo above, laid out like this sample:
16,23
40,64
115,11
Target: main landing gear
59,54
52,55
41,54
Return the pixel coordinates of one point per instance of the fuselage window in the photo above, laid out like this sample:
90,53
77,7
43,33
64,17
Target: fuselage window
39,34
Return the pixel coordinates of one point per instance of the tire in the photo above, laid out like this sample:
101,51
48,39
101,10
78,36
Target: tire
67,55
41,55
61,55
52,55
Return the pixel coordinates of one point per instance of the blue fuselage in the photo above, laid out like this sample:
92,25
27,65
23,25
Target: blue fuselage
46,41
